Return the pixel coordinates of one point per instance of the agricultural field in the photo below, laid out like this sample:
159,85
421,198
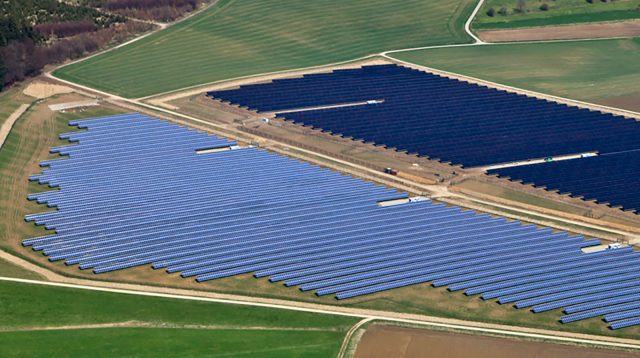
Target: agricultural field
601,71
239,38
55,321
505,14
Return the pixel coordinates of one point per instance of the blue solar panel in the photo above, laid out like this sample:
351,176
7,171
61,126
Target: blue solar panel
612,179
625,323
125,199
437,117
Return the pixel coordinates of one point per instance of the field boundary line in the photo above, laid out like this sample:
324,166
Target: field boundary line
503,330
6,127
144,324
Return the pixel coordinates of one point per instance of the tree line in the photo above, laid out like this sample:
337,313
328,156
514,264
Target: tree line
34,33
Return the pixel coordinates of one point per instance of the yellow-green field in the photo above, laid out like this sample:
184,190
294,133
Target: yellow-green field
600,71
243,37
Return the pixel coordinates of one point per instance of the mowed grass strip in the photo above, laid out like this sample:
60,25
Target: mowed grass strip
163,342
242,37
27,309
558,13
600,71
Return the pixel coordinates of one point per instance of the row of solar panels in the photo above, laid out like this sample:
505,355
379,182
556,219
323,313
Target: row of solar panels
612,179
127,199
439,118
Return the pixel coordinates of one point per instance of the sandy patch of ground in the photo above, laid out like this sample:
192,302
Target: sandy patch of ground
44,90
561,32
386,341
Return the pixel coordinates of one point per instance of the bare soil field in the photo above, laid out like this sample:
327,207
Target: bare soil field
564,32
631,103
380,341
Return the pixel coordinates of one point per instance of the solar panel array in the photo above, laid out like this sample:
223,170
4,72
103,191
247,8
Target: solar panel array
612,179
437,117
136,191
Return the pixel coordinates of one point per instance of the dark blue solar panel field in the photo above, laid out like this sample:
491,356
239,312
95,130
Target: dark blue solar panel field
612,179
134,190
437,117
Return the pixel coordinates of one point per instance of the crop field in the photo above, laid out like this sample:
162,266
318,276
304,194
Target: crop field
557,13
54,321
242,37
601,71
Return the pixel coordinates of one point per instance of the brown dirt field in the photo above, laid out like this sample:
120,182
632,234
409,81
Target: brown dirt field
564,32
386,341
631,103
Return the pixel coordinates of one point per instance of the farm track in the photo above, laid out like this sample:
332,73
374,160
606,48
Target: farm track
5,129
137,324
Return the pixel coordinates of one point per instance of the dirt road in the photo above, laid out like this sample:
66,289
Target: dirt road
8,124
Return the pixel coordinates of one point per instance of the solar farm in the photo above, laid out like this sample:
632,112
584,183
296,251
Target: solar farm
421,178
492,126
208,209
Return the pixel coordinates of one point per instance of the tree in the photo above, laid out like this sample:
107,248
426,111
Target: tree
502,11
491,12
544,7
521,6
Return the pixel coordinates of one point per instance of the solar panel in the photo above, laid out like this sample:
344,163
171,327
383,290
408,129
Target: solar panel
437,117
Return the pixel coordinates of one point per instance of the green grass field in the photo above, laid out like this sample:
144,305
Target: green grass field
159,326
602,71
242,37
559,12
8,269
